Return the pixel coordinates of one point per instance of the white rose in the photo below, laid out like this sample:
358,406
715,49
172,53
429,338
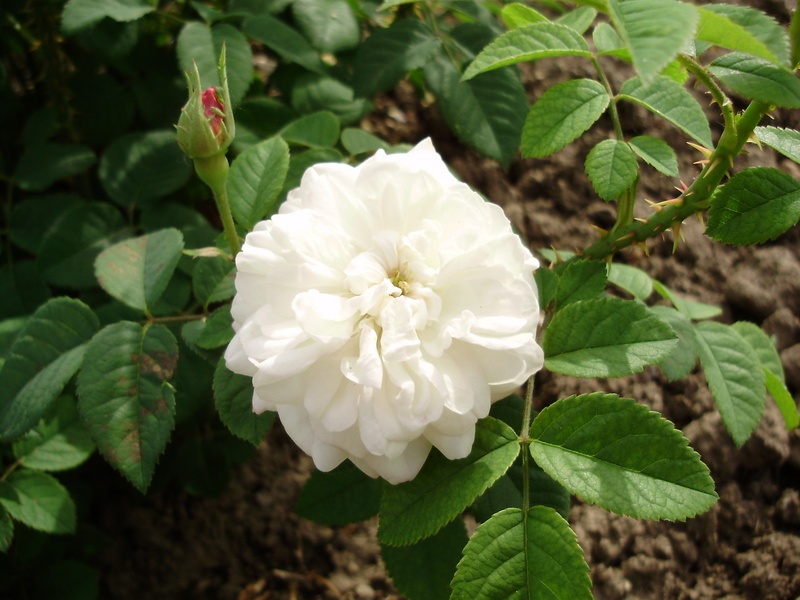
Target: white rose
382,311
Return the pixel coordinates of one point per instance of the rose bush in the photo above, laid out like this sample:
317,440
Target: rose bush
382,311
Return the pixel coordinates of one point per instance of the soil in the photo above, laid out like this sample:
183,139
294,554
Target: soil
248,544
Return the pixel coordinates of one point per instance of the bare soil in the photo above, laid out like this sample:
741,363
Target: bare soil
248,544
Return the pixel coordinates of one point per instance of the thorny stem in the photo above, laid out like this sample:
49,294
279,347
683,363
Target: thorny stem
694,199
716,92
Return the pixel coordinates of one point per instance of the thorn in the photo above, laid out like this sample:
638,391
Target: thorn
600,230
640,219
701,149
677,235
700,218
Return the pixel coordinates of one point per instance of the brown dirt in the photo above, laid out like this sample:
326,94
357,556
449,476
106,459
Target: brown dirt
248,544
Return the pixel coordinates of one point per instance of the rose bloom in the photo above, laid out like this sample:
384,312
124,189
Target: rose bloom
382,311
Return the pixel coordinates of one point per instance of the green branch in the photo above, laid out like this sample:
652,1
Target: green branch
694,199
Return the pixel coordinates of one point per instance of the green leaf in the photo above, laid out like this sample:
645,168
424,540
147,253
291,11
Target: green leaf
656,153
579,19
744,29
523,555
486,112
612,169
419,508
388,54
200,44
233,397
608,42
654,32
213,280
67,255
785,141
125,399
424,569
671,101
561,115
756,205
606,337
39,501
35,218
774,378
139,168
580,280
44,357
288,43
763,348
312,93
690,308
357,141
516,15
331,25
632,280
6,529
339,497
546,283
256,178
58,442
680,362
734,376
81,14
757,79
317,130
528,43
786,404
136,271
217,329
43,164
258,119
23,290
619,454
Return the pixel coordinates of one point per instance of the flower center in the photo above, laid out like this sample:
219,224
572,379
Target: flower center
401,280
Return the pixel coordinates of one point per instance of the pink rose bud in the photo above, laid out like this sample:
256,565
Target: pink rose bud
213,110
206,127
